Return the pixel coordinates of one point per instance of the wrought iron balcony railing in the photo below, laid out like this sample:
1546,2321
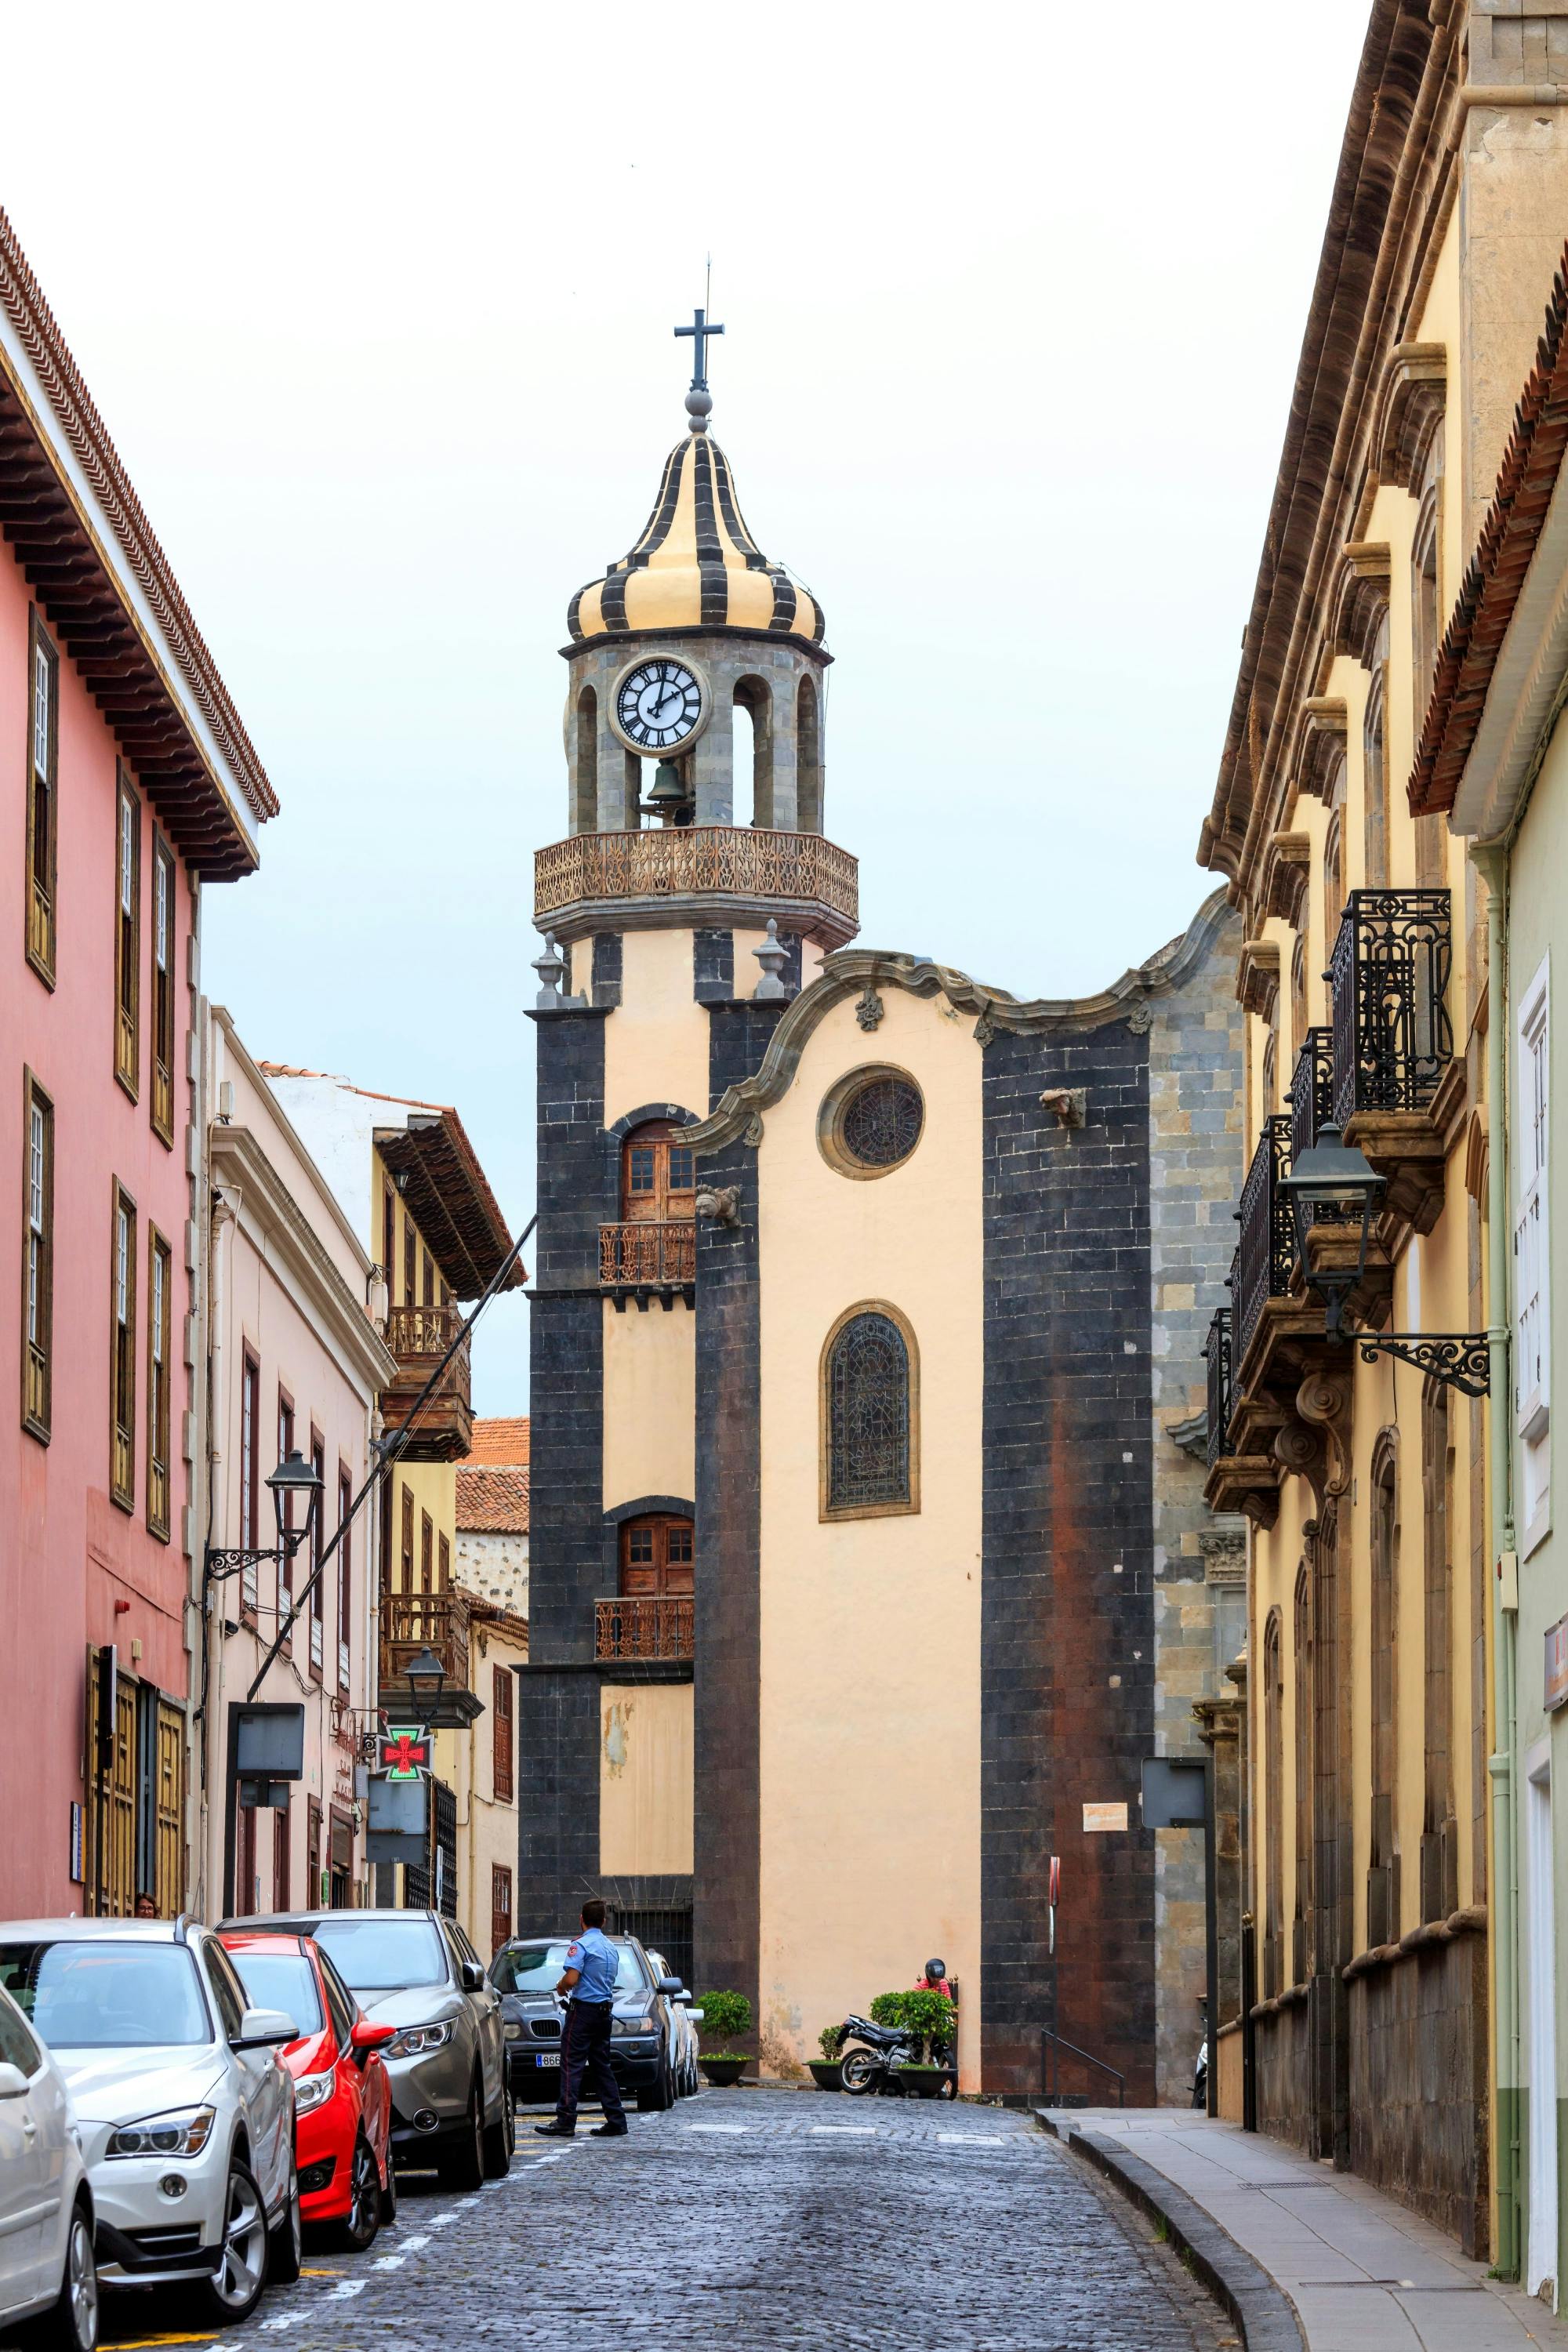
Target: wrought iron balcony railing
725,861
1267,1250
653,1253
645,1625
1217,1352
1389,971
1311,1096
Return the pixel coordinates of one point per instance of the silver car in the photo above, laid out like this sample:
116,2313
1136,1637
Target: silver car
682,2020
451,2101
185,2116
46,2270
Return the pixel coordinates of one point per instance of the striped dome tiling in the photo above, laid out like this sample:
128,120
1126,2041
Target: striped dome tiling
696,565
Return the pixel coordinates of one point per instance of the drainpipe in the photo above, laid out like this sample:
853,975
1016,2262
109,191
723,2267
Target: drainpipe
1491,859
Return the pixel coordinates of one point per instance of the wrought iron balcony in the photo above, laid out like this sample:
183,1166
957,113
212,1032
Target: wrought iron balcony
645,1625
1393,1040
1311,1096
719,868
1216,1353
649,1254
419,1336
1267,1250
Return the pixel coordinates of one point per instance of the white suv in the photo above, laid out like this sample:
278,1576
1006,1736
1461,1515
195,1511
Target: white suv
46,2206
184,2112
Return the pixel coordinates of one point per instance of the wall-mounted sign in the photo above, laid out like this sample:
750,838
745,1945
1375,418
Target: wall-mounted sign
1105,1817
403,1752
1556,1666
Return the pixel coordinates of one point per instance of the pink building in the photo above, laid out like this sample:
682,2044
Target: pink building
126,781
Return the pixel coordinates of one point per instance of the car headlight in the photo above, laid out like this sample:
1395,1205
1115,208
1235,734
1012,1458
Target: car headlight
415,2041
185,2132
512,2030
619,2025
312,2091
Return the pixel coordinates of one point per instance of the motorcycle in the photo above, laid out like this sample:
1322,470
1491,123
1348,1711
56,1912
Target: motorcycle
874,2066
1201,2071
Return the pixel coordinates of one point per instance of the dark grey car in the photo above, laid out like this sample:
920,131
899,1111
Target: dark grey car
451,2099
527,1971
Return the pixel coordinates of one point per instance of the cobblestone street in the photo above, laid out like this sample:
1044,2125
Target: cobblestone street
753,2218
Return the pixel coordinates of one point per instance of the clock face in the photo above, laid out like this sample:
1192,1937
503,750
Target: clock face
659,705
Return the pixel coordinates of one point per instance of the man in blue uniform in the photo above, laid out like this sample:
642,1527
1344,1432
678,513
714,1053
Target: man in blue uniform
590,1980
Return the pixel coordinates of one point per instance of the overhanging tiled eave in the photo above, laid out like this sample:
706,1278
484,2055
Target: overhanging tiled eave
86,614
447,1195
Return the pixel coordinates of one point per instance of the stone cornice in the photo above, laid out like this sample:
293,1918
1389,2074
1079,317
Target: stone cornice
862,972
281,1230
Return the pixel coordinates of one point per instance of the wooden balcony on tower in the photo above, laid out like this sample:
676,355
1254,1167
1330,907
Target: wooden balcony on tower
647,1258
419,1336
645,1625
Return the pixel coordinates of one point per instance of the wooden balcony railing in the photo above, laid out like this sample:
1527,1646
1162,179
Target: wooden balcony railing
419,1336
722,861
412,1622
657,1253
644,1625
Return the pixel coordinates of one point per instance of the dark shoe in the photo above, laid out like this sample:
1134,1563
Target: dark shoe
609,2131
554,2131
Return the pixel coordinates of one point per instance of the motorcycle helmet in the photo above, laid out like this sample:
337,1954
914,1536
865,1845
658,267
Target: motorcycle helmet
936,1970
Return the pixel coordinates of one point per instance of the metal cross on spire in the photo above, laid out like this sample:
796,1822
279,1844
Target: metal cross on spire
699,330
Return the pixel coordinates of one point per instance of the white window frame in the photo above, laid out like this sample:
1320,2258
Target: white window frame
1532,1254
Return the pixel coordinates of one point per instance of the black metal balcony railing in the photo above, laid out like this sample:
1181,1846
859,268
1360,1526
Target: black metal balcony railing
1267,1250
1389,971
1311,1096
1216,1353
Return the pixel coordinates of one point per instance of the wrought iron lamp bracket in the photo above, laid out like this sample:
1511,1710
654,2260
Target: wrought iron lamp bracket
231,1561
1459,1360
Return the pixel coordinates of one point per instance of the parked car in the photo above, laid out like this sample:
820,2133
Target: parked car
526,1971
343,2094
186,2119
684,2021
417,1972
46,2268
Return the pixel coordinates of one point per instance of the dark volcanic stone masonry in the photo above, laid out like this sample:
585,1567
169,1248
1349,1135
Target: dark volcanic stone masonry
749,2220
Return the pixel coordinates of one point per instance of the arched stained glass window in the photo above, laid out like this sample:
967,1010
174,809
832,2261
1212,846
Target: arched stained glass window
868,1416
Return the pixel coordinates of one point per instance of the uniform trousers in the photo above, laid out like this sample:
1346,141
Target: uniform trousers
585,2049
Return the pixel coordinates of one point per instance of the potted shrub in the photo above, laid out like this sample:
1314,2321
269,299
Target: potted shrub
725,2015
825,2070
928,2018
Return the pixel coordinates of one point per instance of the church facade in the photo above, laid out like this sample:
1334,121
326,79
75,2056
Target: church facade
870,1553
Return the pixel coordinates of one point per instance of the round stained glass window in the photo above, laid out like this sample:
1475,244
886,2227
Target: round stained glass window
871,1122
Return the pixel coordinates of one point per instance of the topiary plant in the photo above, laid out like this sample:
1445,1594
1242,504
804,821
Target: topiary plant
830,2041
728,2015
929,2016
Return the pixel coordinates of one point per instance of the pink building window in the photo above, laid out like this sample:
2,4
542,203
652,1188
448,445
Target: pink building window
127,938
37,1258
122,1353
43,741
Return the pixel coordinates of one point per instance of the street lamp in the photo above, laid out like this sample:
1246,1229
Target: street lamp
425,1676
1333,1184
294,1476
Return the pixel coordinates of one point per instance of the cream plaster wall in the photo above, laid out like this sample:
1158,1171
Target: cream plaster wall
871,1700
646,1788
650,1401
656,1043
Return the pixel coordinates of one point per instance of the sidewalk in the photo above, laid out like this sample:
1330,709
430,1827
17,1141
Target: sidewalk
1362,2275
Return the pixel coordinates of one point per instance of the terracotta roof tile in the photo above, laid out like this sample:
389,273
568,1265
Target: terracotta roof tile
502,1444
493,1502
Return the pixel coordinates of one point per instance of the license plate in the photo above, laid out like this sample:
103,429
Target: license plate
548,2058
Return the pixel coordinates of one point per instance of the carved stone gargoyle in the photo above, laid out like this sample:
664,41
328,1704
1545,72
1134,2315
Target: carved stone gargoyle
720,1204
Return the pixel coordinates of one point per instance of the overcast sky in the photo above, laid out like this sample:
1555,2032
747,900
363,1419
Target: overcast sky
378,301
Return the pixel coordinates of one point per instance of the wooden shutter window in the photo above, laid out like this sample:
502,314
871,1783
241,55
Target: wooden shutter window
345,1578
426,1552
443,1564
407,1542
164,876
659,1175
501,1727
38,1256
160,1380
43,755
501,1906
286,1565
249,1474
318,1574
122,1351
127,936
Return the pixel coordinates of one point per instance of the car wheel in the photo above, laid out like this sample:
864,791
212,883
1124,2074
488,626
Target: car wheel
71,2325
461,2163
500,2138
358,2227
660,2096
286,2240
234,2288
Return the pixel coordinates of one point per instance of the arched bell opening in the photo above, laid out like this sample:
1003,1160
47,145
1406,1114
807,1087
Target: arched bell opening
808,758
586,764
753,729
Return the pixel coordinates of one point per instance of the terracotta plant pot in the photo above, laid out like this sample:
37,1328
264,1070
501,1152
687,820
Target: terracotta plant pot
723,2071
826,2075
925,2081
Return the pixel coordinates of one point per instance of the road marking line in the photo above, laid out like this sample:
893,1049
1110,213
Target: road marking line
285,2319
412,2245
389,2263
845,2131
346,2290
973,2139
441,2221
717,2127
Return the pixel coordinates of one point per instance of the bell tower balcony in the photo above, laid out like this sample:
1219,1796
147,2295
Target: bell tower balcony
721,876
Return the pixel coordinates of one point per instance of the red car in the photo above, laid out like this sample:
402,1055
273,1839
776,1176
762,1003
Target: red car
343,2096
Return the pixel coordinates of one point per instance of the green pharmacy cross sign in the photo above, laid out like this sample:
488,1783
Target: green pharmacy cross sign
405,1753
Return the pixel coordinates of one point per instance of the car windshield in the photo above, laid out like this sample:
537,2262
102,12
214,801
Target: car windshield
284,1981
104,1996
383,1955
536,1967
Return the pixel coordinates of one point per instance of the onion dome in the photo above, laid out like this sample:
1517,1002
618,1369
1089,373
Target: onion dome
696,565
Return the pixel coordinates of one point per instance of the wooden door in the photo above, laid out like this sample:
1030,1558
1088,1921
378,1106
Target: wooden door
656,1555
659,1175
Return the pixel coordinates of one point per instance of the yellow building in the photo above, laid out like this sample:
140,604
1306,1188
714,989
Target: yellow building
410,1181
1365,975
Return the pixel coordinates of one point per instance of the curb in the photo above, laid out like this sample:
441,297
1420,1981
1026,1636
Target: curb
1262,2311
